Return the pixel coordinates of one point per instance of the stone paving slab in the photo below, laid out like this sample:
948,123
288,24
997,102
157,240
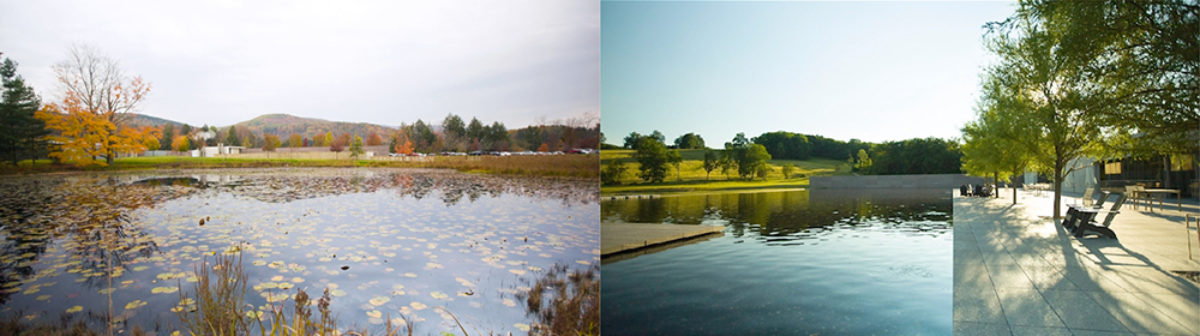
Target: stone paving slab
1017,272
626,237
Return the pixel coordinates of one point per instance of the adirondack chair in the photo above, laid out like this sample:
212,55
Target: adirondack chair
1073,214
1137,192
1084,220
1087,196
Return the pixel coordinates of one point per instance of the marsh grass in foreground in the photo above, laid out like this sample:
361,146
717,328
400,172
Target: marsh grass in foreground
565,302
217,306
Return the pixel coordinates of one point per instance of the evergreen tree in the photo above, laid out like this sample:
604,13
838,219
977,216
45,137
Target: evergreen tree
498,136
168,135
475,130
20,133
232,138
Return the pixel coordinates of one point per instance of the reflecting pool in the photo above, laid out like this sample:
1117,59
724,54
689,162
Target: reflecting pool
791,262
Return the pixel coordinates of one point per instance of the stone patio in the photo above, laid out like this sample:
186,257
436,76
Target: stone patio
1018,273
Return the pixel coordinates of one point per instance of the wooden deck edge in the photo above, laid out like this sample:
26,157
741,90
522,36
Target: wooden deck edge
632,247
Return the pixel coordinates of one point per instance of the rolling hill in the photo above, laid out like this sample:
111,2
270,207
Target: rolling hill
284,125
139,120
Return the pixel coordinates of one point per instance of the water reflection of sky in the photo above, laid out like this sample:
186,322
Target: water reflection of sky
412,241
821,261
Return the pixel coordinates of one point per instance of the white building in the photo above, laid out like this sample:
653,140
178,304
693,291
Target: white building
219,149
1084,174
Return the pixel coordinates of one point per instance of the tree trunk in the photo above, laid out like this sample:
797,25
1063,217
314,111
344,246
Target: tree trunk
1014,188
1058,177
1166,171
996,184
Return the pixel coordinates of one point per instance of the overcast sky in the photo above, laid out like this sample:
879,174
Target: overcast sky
385,62
875,71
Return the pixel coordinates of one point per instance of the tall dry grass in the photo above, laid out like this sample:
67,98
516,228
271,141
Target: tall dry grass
216,306
217,300
565,302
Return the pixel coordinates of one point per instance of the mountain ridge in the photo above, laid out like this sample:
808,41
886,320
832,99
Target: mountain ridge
280,124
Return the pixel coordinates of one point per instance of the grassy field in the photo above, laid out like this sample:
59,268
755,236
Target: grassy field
583,166
691,177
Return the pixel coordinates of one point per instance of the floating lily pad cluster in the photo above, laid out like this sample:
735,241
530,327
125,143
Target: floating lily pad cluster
385,242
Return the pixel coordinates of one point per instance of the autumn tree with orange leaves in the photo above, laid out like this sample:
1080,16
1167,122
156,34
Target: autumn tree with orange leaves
403,146
180,143
98,99
374,139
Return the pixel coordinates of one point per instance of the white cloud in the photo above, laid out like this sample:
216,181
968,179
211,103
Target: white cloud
377,61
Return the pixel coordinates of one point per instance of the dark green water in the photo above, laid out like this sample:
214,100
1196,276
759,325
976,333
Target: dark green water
799,262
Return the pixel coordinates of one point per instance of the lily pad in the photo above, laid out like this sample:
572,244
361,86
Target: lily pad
135,304
164,290
379,300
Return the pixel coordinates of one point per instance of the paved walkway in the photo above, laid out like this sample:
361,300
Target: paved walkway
1018,273
624,237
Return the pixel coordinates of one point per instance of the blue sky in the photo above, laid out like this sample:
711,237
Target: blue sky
875,71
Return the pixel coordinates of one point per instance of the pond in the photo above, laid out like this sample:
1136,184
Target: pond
385,242
791,262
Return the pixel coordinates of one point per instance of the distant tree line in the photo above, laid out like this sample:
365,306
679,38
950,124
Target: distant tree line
457,136
654,158
913,156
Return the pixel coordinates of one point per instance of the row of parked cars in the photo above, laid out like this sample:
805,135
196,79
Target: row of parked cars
501,153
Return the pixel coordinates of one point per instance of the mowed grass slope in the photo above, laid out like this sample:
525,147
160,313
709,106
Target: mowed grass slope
691,176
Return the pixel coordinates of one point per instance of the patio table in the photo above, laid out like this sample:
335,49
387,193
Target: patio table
1160,193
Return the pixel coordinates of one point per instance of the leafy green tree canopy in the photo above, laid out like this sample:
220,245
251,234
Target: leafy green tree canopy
653,157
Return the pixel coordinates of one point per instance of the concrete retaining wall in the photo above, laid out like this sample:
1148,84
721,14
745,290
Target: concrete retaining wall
892,181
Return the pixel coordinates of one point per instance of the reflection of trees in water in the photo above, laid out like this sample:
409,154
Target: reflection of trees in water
783,213
103,235
87,216
280,186
25,237
90,216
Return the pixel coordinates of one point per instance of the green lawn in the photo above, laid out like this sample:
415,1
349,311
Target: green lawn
691,177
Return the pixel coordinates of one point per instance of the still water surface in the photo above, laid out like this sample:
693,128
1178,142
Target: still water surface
794,262
409,241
